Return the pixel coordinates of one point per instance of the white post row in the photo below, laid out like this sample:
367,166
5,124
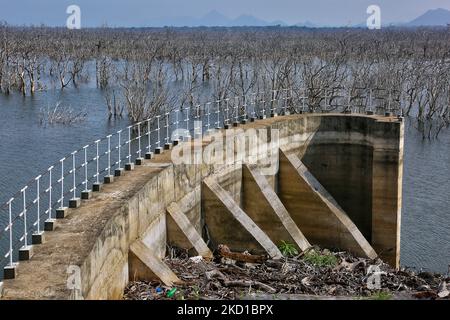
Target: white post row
249,111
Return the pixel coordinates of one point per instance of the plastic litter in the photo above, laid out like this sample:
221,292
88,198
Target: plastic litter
196,259
171,293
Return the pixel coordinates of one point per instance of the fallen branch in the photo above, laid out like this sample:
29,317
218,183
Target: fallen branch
225,252
249,283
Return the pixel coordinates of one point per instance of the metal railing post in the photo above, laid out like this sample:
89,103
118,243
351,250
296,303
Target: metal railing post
25,250
370,110
304,100
263,114
187,137
236,111
97,186
86,193
74,202
37,237
49,223
285,105
226,121
208,117
108,178
62,210
139,160
176,139
9,272
197,123
253,106
326,100
129,166
149,153
348,109
245,106
273,101
218,127
10,269
388,112
158,149
9,228
167,144
38,204
119,170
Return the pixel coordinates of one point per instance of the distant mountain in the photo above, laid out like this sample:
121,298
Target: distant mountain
246,20
216,19
436,17
306,24
279,23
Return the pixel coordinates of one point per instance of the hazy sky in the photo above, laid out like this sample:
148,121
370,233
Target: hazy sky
142,12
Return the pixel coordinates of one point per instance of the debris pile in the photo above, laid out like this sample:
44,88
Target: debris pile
315,272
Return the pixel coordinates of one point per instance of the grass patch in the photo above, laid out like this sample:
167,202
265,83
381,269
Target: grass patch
380,295
288,249
320,260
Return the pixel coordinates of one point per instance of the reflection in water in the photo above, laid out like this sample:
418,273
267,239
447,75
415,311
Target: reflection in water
26,149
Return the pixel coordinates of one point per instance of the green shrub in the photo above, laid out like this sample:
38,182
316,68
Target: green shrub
288,249
320,260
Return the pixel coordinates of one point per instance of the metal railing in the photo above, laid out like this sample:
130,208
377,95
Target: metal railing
35,207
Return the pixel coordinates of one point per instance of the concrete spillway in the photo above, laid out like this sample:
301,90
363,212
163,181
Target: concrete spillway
332,179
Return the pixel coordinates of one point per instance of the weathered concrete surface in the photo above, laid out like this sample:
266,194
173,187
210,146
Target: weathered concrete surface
192,237
387,204
262,205
96,237
315,211
359,161
190,207
144,265
345,170
228,224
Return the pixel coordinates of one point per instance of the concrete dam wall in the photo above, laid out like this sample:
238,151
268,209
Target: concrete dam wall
332,180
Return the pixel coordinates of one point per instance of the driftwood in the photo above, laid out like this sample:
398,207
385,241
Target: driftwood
216,274
218,279
225,252
249,283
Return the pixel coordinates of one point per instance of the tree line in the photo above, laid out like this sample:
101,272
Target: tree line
144,70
